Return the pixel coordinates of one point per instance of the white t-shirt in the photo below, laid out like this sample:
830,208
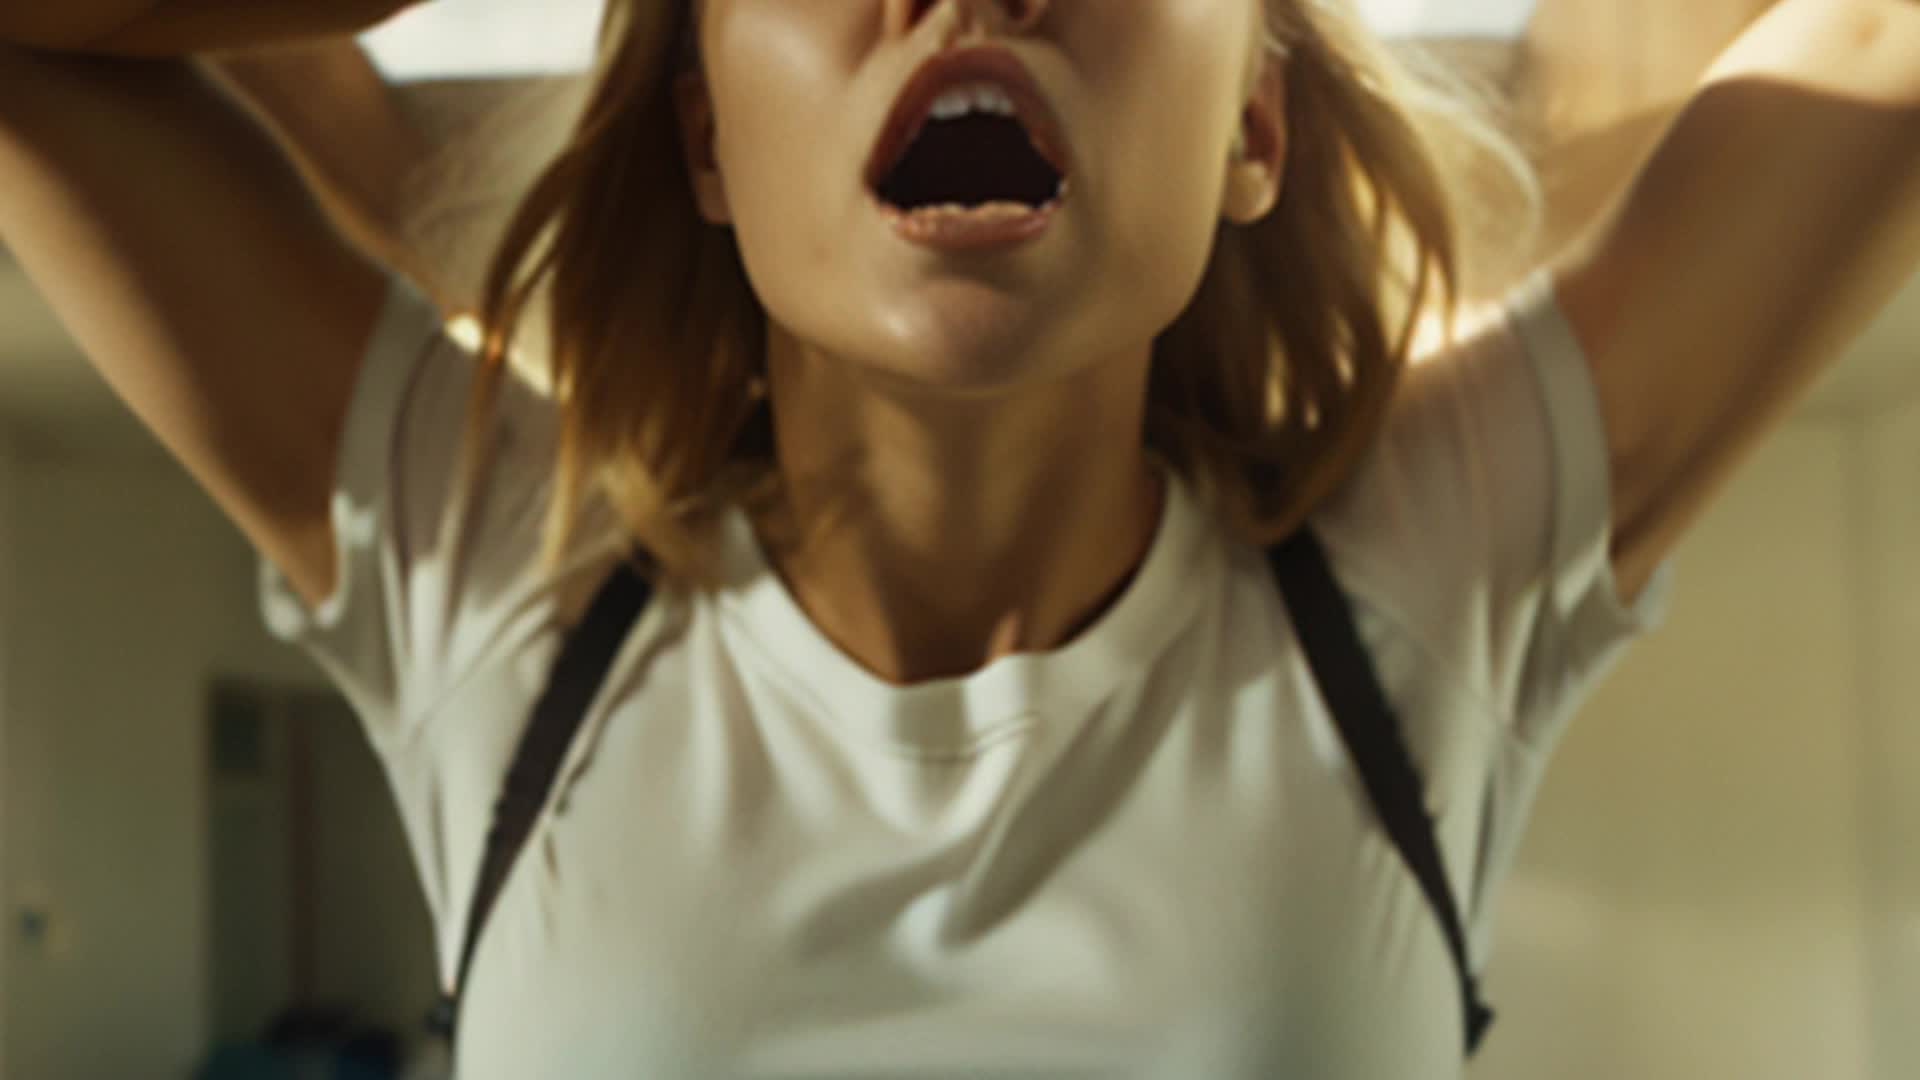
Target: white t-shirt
1143,854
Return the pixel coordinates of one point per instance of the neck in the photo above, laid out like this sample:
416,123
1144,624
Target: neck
928,536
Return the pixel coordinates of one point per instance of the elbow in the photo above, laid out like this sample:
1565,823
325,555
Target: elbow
1862,52
1886,34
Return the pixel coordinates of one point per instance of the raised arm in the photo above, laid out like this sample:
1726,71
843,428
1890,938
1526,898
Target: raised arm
1598,83
196,271
1776,216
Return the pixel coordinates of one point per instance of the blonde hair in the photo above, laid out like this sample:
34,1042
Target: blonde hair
1264,394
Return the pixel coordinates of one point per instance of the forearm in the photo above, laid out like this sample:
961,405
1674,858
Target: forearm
1591,64
180,27
311,87
1783,204
345,129
1861,51
1599,83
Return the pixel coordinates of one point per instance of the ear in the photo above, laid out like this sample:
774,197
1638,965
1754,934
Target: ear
1259,157
694,106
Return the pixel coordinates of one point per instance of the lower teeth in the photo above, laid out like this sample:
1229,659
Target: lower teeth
997,208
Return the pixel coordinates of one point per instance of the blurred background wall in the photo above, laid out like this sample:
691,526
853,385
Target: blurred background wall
130,596
1889,578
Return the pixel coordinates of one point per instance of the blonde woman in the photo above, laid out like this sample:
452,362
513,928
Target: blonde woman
955,414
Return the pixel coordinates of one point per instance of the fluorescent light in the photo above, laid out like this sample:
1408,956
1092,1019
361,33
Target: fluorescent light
454,39
1448,18
466,39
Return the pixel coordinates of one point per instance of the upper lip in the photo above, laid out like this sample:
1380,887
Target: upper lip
959,67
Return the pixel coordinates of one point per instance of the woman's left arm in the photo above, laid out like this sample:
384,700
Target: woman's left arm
1776,218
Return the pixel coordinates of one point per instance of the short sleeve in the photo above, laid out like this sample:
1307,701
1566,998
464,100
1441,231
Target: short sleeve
427,570
1479,525
1481,519
1582,623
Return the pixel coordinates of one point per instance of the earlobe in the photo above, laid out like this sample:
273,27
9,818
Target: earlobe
1257,163
694,106
1253,186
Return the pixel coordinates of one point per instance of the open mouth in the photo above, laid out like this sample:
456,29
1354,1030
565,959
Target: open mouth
970,130
970,160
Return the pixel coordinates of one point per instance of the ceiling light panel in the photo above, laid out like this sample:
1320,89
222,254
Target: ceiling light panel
1448,18
477,39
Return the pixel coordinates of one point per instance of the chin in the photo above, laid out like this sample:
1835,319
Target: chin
982,362
970,325
953,374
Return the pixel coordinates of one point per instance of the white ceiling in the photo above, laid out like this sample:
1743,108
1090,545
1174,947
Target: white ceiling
497,38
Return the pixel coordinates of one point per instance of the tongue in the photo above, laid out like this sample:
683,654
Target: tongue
971,161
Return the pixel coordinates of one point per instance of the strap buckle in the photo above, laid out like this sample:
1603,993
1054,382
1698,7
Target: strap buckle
440,1018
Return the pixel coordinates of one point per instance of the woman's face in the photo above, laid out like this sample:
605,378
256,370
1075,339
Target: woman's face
1148,95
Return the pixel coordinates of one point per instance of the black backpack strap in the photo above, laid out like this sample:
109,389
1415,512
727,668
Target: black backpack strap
1324,623
574,681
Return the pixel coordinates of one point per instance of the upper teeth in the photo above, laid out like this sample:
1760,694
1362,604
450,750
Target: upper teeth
980,97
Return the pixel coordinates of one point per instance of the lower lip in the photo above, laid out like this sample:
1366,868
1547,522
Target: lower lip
981,228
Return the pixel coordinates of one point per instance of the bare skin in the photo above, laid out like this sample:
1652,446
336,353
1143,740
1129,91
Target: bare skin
239,346
956,558
962,435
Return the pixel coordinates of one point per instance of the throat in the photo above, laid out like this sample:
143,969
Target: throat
908,619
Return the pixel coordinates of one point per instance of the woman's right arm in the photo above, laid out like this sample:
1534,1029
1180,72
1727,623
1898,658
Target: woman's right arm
198,274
